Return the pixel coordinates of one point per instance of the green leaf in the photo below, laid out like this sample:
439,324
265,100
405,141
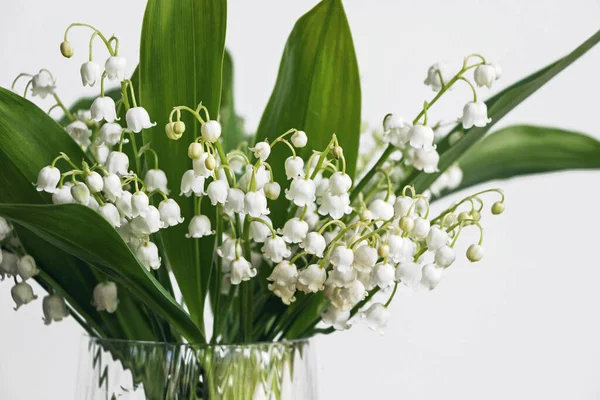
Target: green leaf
317,90
181,57
98,243
498,106
233,126
29,140
524,150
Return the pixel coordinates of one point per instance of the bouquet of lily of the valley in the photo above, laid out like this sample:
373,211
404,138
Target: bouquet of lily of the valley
149,204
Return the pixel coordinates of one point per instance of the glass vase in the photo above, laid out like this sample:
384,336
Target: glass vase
131,370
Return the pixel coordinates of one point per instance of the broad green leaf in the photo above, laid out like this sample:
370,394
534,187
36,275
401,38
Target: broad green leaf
524,150
98,243
29,140
317,91
181,57
233,126
498,106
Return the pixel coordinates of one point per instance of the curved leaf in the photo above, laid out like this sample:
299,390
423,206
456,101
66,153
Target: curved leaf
181,56
498,106
523,150
317,91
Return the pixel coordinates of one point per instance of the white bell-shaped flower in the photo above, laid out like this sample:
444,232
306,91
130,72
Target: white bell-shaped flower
103,108
137,119
339,279
123,204
156,179
230,249
5,229
421,228
398,137
377,316
426,160
475,114
211,131
47,180
22,293
431,276
42,84
485,75
106,297
421,136
80,193
409,273
353,293
365,258
336,318
111,214
80,133
217,192
115,68
199,227
139,204
93,204
445,256
311,279
117,163
261,150
94,181
402,205
144,226
401,249
301,191
294,167
433,76
294,230
100,152
383,275
299,139
9,264
199,165
335,206
62,195
27,268
393,121
90,73
147,253
255,204
259,232
322,186
436,238
272,190
170,213
339,183
235,201
113,188
110,133
284,274
284,292
381,209
314,243
342,258
241,270
275,249
192,184
54,308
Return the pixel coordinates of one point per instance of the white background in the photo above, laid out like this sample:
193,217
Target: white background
521,324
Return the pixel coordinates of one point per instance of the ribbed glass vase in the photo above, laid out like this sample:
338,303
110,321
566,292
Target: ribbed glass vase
129,370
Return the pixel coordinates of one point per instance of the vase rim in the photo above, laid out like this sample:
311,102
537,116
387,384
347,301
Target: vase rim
286,342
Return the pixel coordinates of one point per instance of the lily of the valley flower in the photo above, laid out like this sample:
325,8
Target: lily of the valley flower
54,308
336,318
111,214
48,178
241,270
314,243
275,249
137,119
299,139
106,297
90,73
118,163
156,179
431,276
311,279
211,131
22,293
80,133
42,84
377,316
147,253
294,230
110,133
27,268
199,227
170,213
475,114
485,75
115,68
103,108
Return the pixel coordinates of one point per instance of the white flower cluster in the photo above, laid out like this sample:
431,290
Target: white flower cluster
16,264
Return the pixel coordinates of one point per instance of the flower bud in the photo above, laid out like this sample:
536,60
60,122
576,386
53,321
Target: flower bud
66,49
210,163
170,131
179,127
299,139
337,151
498,208
94,182
406,224
475,253
22,293
463,216
211,131
80,193
383,250
195,150
272,190
27,268
366,215
476,215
